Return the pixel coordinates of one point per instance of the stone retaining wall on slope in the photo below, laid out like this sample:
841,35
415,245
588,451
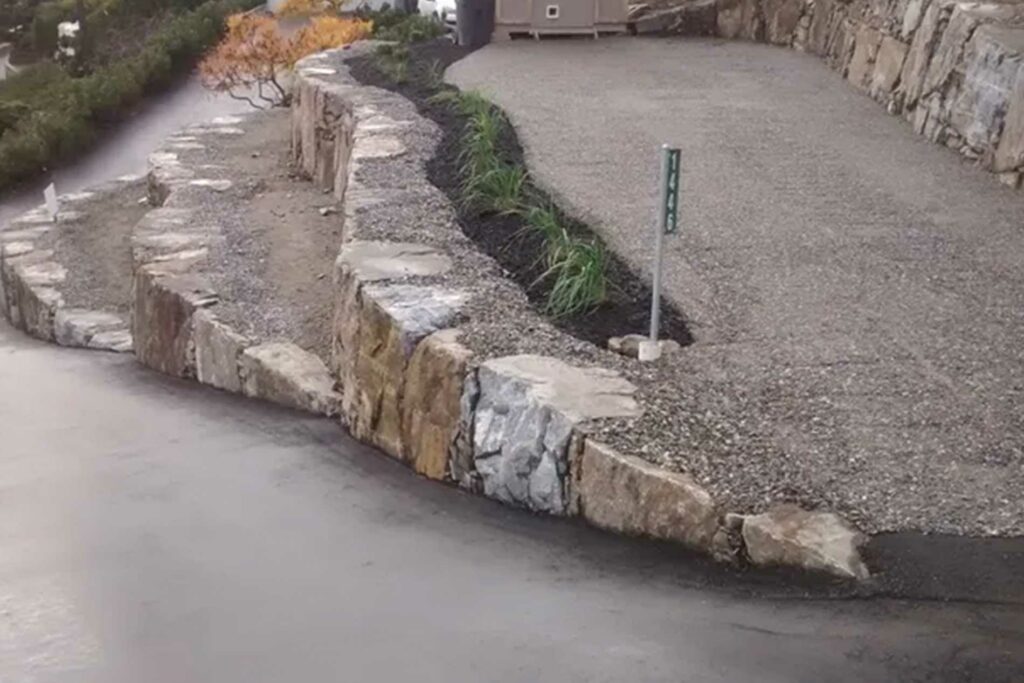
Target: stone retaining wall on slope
175,317
953,69
32,280
415,382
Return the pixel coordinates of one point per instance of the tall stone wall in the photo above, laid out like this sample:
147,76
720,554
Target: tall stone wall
951,69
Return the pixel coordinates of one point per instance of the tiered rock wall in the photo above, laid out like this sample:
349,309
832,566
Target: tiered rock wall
952,69
515,428
32,280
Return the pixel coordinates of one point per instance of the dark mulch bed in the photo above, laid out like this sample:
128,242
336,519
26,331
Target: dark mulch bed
519,251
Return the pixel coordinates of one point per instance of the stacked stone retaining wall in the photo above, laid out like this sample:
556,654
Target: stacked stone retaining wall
954,70
514,428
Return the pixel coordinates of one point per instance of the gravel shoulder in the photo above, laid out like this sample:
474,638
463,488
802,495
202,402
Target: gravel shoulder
852,289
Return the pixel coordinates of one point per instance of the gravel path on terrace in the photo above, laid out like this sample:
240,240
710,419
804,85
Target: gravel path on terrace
281,235
855,291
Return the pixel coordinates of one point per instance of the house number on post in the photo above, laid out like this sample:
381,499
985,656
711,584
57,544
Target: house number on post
668,221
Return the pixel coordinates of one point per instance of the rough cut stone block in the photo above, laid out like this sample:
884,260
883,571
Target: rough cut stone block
993,61
864,53
1010,152
949,51
888,66
781,18
389,321
77,326
373,261
431,401
287,375
918,59
628,495
819,541
162,319
218,349
740,19
526,410
119,341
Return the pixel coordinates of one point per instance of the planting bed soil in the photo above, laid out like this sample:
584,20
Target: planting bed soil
507,238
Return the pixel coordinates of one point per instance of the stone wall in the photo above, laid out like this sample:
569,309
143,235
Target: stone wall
32,280
175,319
408,287
952,69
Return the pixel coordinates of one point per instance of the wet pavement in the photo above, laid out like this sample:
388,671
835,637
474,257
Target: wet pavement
156,530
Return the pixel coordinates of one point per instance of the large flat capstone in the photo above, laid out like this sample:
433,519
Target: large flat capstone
371,261
526,409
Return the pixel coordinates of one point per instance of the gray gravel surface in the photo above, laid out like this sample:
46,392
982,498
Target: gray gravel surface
96,248
272,268
854,290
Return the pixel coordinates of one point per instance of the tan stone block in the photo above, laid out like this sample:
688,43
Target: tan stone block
865,52
430,407
888,66
1010,152
628,495
162,319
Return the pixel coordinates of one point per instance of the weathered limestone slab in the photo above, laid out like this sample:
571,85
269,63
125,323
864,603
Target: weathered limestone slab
373,261
285,374
781,18
217,349
1010,152
993,60
888,66
629,495
87,328
818,541
915,66
374,347
526,410
431,402
950,48
322,126
740,19
865,52
162,318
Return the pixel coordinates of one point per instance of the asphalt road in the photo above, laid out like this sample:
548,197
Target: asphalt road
154,530
854,290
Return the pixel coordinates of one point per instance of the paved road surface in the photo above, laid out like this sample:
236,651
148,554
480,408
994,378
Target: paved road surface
158,531
855,291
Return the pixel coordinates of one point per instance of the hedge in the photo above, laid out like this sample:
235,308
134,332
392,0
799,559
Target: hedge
65,111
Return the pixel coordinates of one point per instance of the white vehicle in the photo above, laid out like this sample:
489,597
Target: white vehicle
441,9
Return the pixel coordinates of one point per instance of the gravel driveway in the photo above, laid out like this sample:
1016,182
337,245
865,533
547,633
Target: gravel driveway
856,292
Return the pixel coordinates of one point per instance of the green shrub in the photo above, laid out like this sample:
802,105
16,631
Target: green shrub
400,27
498,189
49,116
580,281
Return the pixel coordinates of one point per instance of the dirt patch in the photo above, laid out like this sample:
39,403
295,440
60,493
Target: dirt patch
281,234
96,249
506,238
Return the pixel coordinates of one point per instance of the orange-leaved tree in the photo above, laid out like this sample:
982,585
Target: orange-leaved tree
250,61
300,8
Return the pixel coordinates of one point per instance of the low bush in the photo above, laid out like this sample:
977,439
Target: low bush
53,116
402,27
576,269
